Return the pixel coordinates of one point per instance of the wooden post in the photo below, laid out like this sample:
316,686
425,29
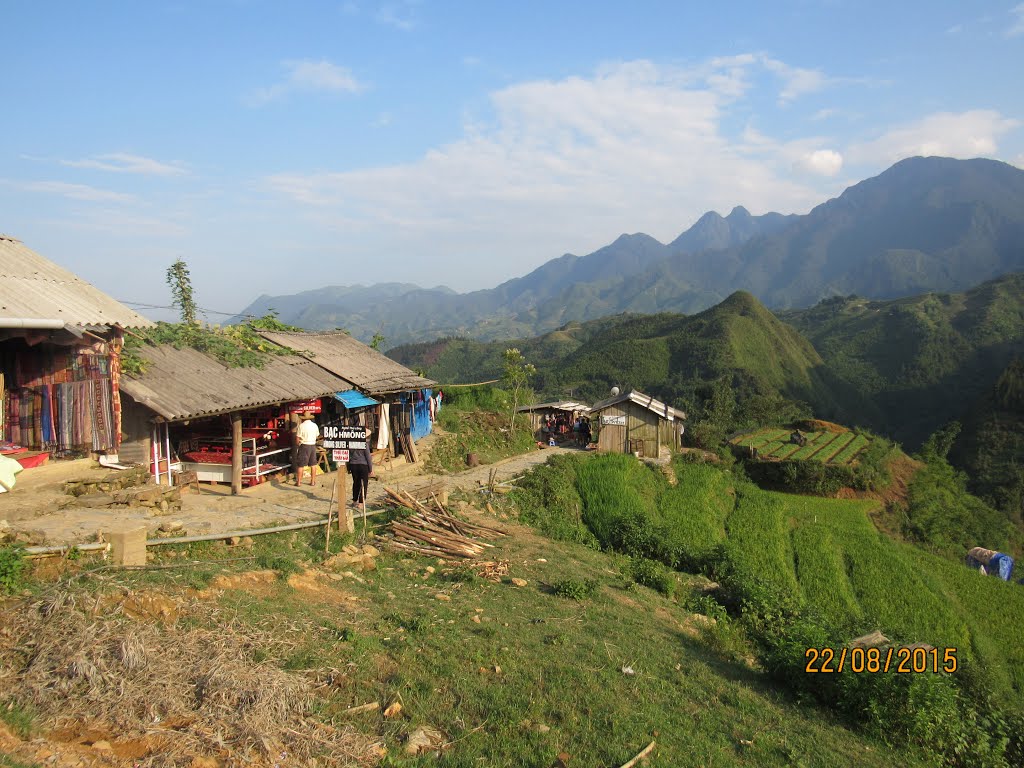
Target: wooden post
346,524
236,453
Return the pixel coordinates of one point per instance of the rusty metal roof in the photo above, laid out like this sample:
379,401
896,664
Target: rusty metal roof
186,384
648,402
340,354
33,287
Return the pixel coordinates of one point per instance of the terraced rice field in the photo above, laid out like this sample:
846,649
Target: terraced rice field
827,447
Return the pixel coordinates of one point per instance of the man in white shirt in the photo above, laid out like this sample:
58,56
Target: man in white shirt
306,436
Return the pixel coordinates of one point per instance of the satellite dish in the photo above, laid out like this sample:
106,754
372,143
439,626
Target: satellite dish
615,391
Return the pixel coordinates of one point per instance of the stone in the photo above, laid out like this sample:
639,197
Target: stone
423,739
371,550
475,619
169,526
128,546
520,582
443,597
342,560
95,500
393,710
368,563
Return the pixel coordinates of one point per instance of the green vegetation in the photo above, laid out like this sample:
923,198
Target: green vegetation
12,569
237,346
476,420
798,572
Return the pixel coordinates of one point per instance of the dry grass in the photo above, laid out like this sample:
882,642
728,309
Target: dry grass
212,687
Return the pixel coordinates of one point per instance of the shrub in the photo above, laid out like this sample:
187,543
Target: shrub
653,574
576,589
13,566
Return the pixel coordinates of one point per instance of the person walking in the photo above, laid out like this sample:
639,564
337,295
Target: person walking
360,466
306,436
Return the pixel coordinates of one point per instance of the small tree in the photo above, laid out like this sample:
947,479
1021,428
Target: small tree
378,339
180,283
517,375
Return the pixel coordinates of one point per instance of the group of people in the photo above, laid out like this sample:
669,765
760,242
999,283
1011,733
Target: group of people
360,462
558,426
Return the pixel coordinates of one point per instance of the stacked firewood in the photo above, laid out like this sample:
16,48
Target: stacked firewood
433,531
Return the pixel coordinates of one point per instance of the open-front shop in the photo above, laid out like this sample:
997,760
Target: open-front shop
193,415
60,344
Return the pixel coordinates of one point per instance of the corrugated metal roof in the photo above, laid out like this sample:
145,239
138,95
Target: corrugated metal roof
559,405
648,402
186,384
340,354
34,287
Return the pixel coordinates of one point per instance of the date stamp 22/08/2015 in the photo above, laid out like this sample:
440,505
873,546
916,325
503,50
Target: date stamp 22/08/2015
904,660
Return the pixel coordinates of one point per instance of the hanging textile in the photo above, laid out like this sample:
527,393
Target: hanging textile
384,428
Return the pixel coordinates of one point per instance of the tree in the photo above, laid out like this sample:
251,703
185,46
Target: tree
180,283
516,376
378,339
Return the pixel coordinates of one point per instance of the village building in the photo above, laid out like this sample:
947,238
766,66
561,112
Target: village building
562,413
407,402
189,413
60,348
636,423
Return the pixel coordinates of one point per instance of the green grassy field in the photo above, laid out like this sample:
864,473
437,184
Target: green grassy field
837,448
817,567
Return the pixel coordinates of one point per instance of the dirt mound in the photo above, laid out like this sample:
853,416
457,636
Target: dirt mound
166,693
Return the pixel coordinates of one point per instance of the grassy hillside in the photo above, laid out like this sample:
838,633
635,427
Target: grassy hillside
798,571
266,666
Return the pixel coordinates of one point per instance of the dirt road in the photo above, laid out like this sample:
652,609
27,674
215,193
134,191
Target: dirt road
31,509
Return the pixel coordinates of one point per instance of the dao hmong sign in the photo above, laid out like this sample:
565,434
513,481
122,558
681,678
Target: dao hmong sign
344,438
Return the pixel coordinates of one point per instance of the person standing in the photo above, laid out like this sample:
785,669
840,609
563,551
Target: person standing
306,436
360,466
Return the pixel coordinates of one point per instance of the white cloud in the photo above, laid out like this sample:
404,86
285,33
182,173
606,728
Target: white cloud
796,80
963,135
823,162
310,76
1017,26
398,15
123,162
568,165
76,191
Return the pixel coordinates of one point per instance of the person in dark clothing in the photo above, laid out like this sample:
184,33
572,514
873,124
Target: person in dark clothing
360,466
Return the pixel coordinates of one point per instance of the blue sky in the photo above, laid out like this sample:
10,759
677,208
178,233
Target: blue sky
279,147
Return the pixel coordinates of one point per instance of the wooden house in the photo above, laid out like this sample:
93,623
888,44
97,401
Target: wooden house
637,423
60,351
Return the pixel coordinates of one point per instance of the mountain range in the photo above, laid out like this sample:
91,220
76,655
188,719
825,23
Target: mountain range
925,224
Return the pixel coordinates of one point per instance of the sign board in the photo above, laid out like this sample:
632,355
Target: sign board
344,438
306,406
339,457
614,421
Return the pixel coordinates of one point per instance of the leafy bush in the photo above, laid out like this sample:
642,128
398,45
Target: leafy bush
12,569
653,574
548,500
576,589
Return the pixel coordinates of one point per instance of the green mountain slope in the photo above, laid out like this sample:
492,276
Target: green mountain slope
923,361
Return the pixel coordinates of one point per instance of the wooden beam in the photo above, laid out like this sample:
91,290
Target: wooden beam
346,523
236,453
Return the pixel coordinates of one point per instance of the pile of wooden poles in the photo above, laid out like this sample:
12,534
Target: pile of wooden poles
433,531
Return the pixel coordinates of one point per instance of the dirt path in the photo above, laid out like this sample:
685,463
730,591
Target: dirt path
31,509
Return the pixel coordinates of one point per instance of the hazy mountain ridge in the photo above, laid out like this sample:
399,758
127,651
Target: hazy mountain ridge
925,224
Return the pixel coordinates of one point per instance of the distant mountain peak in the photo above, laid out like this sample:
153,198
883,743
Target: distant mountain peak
739,212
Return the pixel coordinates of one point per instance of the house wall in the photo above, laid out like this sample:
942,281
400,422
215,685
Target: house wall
136,432
610,438
643,430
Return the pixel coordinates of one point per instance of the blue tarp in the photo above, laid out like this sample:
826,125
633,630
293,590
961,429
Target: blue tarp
350,398
1002,566
421,423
